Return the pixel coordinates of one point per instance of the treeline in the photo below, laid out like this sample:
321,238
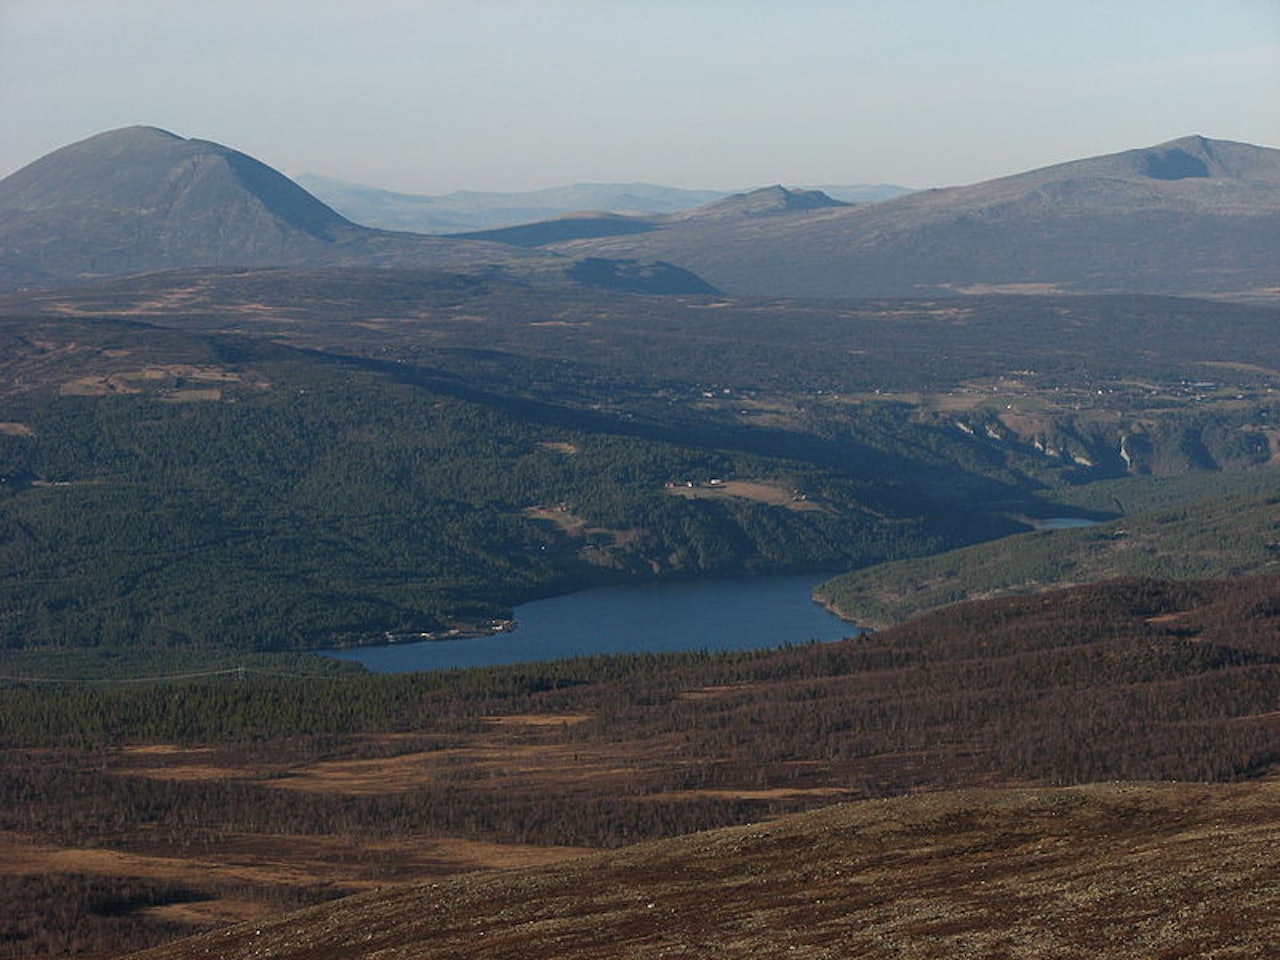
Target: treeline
961,667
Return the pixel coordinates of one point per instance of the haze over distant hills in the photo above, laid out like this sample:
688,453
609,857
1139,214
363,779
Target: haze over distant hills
478,210
764,202
1189,217
141,199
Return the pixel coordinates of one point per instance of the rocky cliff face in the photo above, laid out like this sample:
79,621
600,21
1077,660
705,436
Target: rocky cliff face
1113,445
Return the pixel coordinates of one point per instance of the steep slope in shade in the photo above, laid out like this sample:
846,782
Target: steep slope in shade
1186,217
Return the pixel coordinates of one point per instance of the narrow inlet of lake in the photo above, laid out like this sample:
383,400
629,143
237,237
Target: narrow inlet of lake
733,614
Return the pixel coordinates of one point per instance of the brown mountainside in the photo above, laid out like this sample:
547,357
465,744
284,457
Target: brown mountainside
1113,871
1191,216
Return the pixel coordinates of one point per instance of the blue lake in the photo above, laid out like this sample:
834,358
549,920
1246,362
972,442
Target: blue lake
732,614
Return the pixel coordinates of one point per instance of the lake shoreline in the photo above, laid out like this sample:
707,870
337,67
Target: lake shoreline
722,613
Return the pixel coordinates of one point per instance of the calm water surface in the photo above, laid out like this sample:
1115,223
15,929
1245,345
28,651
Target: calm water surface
736,614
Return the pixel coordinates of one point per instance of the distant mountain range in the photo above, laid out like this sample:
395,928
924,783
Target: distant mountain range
466,211
1189,217
764,202
140,199
1192,216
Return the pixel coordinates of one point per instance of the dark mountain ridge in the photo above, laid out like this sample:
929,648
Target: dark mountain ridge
572,226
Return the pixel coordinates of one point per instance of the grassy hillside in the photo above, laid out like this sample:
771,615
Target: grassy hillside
1177,528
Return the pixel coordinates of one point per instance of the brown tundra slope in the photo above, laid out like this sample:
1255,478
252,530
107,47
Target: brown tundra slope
1115,870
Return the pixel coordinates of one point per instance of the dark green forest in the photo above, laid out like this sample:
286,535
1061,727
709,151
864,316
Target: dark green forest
275,459
1196,525
335,503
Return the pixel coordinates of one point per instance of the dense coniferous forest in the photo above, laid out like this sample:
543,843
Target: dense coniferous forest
1197,525
283,459
324,503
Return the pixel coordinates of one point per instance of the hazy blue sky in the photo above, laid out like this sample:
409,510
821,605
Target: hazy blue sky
430,96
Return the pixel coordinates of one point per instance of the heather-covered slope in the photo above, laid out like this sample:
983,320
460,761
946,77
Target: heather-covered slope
1114,871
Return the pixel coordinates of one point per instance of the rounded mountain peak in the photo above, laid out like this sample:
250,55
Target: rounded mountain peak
148,171
765,201
141,198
